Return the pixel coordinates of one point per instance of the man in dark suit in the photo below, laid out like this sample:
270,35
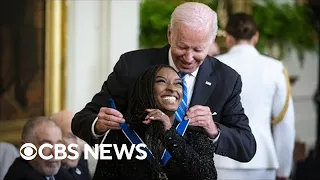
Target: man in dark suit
22,170
213,88
78,168
38,131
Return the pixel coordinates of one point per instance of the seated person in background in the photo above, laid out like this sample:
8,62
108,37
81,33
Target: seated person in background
214,49
156,96
78,168
38,131
8,153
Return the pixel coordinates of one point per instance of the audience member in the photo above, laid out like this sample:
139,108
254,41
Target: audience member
8,153
268,104
214,49
78,168
38,131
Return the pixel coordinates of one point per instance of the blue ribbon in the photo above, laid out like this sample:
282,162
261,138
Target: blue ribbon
181,128
134,138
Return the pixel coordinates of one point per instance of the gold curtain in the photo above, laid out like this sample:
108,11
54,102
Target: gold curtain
55,69
242,6
224,8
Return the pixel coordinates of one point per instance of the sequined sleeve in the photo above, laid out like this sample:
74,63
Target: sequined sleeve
194,151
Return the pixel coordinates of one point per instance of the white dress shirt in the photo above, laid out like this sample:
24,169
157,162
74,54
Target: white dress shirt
190,79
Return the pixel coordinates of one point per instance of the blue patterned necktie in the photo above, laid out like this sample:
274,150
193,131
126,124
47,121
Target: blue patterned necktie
181,111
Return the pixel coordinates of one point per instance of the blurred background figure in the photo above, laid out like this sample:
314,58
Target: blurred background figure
8,153
77,168
38,131
267,101
214,49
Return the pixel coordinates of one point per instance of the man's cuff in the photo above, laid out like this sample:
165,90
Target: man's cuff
216,138
92,129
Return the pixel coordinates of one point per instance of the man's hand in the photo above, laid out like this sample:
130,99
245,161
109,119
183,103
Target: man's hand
202,116
108,118
282,178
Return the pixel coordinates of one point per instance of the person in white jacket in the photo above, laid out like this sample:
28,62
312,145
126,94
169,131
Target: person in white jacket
267,101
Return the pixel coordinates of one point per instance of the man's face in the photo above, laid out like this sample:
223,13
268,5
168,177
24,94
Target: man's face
70,138
64,121
189,47
47,133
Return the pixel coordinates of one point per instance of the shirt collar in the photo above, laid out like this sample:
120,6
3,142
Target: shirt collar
171,63
244,48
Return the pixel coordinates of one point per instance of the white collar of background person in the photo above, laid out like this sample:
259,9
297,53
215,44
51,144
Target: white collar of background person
50,178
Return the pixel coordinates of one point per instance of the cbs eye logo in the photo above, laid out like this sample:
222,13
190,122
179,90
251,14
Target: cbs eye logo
28,151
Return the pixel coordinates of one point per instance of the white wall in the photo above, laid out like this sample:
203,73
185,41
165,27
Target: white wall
98,33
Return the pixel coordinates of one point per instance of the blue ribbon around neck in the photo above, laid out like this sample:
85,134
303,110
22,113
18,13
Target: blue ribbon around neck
134,138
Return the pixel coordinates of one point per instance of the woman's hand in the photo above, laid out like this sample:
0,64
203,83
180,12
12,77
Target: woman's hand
156,114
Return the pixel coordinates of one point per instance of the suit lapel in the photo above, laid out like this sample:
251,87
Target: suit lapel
206,81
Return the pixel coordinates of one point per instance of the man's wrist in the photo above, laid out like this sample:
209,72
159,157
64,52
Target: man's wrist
93,129
216,138
96,131
282,178
215,132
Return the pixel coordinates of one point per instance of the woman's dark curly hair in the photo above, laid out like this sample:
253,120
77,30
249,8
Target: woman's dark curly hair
143,98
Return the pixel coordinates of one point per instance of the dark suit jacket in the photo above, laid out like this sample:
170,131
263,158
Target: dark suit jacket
222,96
81,172
192,159
21,170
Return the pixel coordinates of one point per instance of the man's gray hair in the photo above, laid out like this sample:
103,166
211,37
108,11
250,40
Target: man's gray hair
195,15
31,125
